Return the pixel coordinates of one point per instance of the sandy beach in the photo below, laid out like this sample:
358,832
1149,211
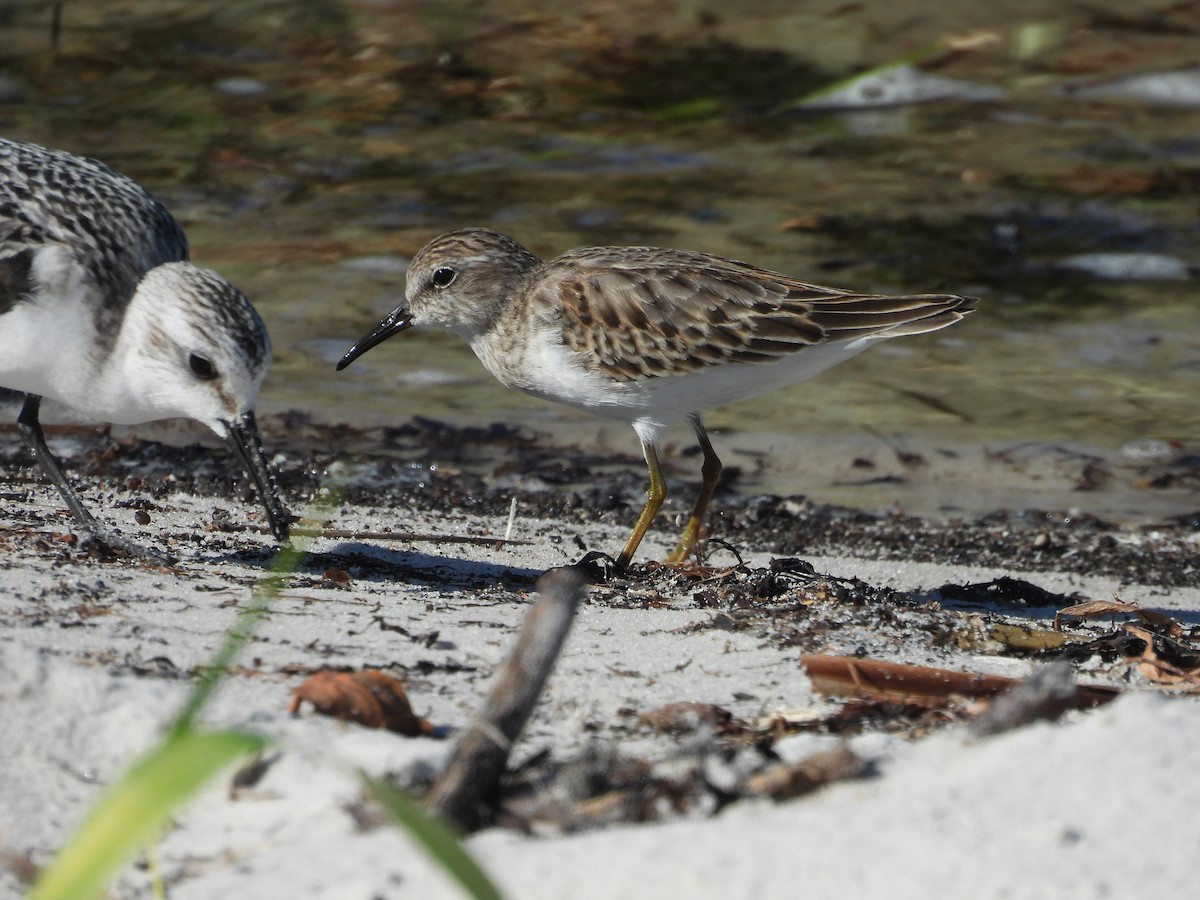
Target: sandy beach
718,730
98,655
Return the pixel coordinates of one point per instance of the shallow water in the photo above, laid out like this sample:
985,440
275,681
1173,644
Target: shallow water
310,153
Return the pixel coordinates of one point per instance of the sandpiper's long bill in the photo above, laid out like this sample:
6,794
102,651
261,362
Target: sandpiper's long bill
396,321
244,440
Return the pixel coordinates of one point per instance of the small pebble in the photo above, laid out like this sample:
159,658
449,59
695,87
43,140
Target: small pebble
241,87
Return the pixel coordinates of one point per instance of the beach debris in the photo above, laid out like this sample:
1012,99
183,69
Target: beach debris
369,697
512,518
1165,661
689,716
602,786
1004,592
854,676
467,787
1092,609
1159,657
1024,638
1174,87
896,84
251,772
20,865
336,577
1155,645
1129,266
787,781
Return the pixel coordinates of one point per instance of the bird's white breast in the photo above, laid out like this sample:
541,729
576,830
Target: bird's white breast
48,340
541,365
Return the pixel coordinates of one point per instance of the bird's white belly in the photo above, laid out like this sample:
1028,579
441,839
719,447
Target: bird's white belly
721,384
48,342
549,369
49,352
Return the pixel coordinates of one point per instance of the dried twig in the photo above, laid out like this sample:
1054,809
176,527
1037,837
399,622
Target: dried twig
468,785
851,676
407,536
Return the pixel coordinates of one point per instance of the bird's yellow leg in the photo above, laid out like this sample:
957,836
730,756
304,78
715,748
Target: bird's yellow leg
655,494
710,472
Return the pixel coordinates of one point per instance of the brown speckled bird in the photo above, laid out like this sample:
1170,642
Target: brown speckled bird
646,335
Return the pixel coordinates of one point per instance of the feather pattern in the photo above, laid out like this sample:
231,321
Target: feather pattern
113,228
640,312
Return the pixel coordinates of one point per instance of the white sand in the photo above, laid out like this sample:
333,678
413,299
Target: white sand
1100,804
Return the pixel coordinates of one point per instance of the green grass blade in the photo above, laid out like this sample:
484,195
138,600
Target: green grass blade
286,561
912,58
438,838
136,808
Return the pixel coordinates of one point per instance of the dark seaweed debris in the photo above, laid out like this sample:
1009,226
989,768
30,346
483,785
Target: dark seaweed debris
432,466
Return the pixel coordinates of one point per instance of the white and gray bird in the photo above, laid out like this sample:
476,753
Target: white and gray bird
101,311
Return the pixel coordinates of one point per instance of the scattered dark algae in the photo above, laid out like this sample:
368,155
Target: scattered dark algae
434,466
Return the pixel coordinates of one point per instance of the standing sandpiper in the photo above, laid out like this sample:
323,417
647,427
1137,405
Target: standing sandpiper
645,335
100,311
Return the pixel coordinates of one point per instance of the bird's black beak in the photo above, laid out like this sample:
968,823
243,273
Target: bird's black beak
246,444
398,319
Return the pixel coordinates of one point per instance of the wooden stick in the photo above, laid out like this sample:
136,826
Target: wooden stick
467,788
413,536
334,533
851,676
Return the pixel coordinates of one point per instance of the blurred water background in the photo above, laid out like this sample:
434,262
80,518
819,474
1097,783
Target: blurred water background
1043,157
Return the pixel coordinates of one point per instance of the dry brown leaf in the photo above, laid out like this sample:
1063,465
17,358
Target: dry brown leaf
1161,622
1091,609
339,577
1161,672
1095,608
370,698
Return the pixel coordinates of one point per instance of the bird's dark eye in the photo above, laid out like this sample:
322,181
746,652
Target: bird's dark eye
443,277
201,368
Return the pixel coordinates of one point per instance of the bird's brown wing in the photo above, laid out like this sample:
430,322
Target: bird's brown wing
643,312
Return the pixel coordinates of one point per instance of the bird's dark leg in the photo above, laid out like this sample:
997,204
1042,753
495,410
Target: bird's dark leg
711,472
31,431
655,495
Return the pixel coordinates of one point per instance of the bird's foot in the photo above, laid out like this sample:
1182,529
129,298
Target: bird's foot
597,567
686,553
110,545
